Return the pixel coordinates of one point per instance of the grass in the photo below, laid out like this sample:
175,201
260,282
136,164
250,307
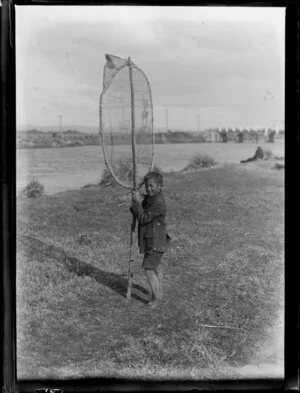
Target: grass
223,281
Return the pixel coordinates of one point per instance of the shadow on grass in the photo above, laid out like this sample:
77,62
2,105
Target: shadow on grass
116,282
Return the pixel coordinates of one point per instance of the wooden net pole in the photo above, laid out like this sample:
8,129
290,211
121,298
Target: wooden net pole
134,177
132,125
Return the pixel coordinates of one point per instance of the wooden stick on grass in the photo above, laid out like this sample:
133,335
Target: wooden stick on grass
217,326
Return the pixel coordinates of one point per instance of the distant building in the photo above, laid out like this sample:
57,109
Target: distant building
253,135
271,136
223,135
160,137
231,136
239,136
261,134
211,135
246,134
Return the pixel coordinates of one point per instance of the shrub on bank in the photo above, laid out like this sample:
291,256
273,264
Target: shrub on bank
278,166
200,161
122,169
107,179
157,169
34,189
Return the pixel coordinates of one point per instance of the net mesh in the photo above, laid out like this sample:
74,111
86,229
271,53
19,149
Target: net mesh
116,120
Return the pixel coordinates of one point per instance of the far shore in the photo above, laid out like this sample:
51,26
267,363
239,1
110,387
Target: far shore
37,146
36,139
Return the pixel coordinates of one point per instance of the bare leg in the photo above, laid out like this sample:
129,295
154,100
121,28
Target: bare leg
154,284
160,280
148,278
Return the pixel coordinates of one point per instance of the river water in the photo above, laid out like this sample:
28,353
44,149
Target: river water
60,169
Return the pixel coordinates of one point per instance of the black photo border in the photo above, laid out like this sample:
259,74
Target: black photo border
9,382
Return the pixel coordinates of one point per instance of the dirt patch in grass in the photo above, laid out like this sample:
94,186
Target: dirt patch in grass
223,281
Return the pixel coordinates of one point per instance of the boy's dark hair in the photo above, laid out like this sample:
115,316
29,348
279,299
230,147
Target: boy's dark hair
156,176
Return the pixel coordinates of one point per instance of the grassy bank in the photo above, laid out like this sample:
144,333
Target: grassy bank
223,281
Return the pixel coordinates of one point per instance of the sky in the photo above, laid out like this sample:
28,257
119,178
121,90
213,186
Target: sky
207,66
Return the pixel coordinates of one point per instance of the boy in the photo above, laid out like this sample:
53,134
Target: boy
152,231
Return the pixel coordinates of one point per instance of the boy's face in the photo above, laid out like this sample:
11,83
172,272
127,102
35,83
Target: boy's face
152,187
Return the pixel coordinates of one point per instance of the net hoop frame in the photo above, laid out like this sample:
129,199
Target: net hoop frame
108,166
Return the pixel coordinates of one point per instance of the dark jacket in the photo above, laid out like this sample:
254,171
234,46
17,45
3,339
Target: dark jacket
152,229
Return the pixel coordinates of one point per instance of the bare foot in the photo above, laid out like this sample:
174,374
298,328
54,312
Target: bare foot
152,304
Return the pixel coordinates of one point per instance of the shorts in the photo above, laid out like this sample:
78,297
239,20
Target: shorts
152,260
